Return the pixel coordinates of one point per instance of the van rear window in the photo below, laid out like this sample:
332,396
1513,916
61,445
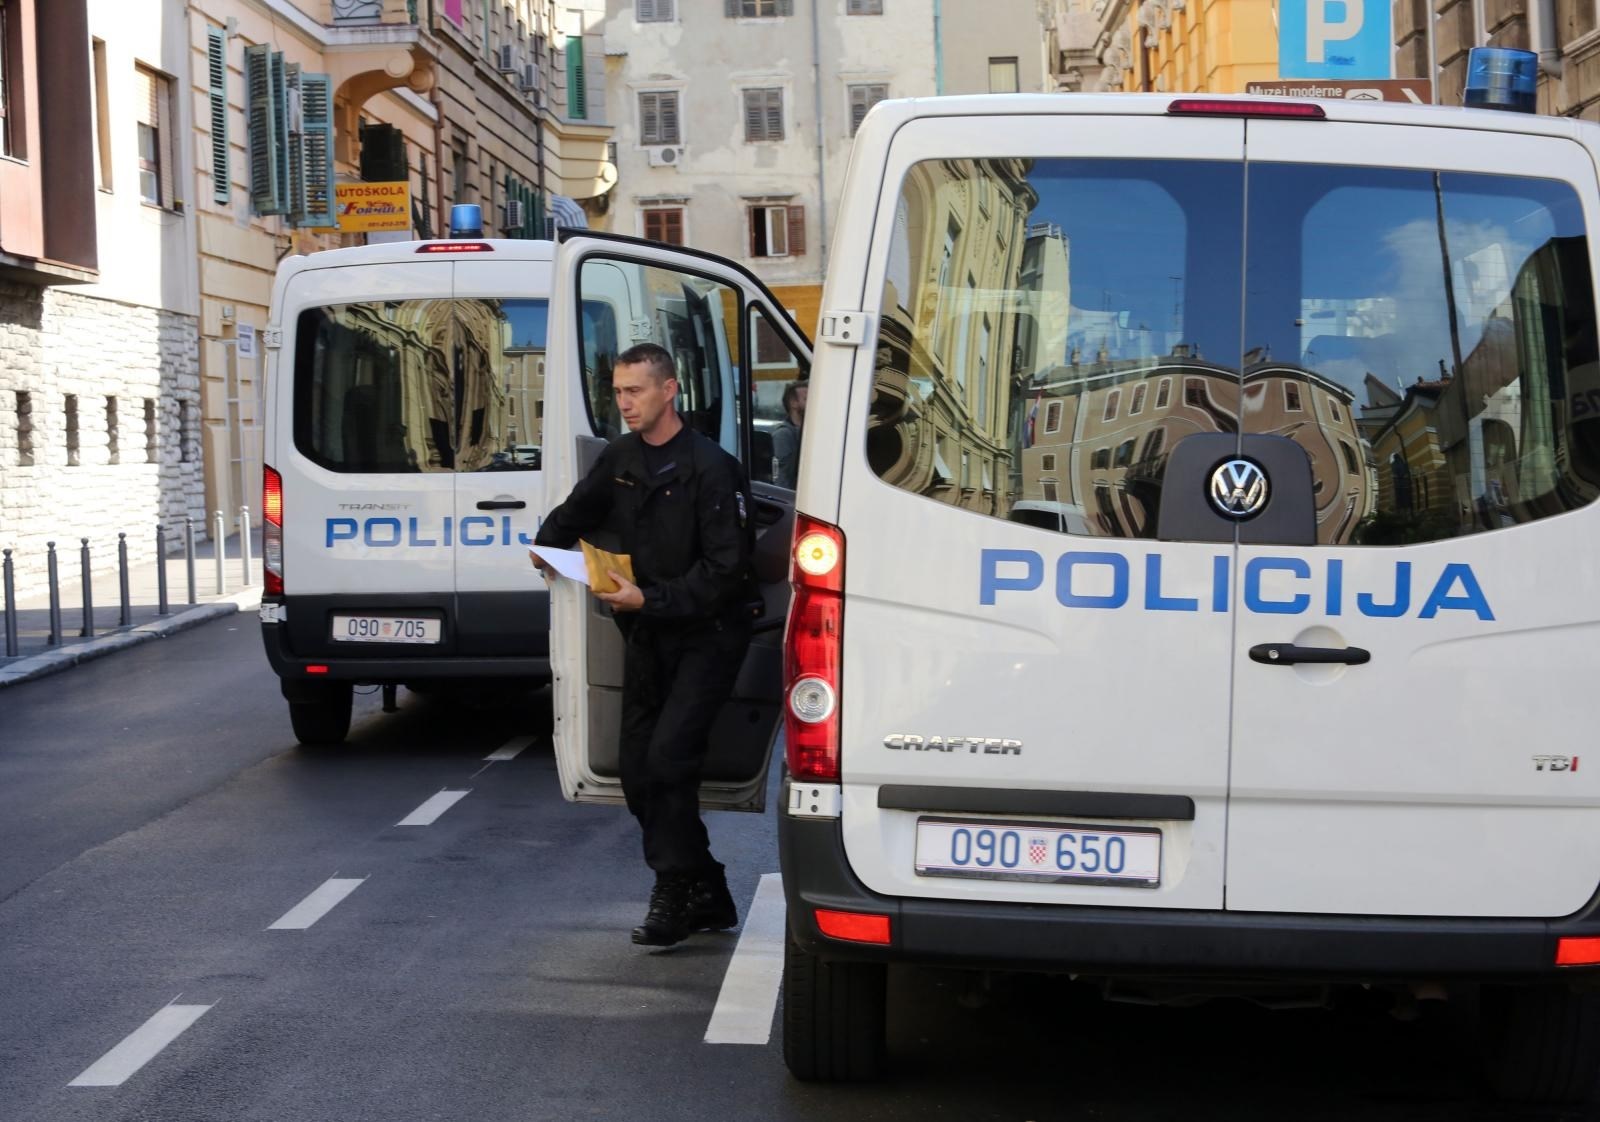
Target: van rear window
1051,329
421,385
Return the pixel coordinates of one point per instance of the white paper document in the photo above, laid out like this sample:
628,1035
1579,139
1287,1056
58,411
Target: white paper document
568,562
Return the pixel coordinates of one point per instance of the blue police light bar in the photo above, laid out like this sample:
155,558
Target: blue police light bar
1502,78
466,220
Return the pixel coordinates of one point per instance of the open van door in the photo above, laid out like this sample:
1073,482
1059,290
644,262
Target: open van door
610,293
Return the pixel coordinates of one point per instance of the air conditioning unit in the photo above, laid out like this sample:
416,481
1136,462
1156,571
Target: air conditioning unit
529,80
516,213
505,59
665,156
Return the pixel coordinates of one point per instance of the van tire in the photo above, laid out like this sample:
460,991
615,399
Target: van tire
323,720
834,1017
1541,1042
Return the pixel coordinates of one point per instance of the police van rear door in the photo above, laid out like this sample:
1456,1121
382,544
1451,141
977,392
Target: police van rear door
368,498
1413,681
608,294
1036,708
497,370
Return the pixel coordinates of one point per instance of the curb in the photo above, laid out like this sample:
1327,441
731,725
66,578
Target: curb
64,658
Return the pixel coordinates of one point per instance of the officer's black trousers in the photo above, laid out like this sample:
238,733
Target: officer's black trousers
675,679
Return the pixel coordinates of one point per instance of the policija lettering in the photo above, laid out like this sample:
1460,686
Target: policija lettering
1271,585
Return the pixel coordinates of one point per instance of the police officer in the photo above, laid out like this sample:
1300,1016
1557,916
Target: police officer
675,501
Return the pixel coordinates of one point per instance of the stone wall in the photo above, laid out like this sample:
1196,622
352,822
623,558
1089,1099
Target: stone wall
123,468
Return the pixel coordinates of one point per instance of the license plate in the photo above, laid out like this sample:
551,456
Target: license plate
1054,854
386,629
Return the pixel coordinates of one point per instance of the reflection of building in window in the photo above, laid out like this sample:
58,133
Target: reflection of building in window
1153,444
1333,410
1136,406
1163,393
1047,462
1113,400
1352,465
1100,459
1049,489
1194,392
1291,397
1052,417
1124,454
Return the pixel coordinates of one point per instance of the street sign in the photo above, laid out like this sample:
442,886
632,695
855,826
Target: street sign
1411,91
246,335
366,207
1335,39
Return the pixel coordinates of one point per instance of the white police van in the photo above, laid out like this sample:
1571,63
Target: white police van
1300,695
403,478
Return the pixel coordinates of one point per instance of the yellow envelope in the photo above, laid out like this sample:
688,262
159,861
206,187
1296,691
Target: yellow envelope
602,563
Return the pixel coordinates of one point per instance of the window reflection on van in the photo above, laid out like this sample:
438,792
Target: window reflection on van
1428,340
421,385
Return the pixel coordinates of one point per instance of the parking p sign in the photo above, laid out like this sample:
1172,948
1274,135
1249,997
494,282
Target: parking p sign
1334,39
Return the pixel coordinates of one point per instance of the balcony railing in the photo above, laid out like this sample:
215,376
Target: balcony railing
368,12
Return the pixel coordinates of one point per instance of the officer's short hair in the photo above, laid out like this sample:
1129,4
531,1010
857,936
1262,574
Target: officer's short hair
657,358
791,394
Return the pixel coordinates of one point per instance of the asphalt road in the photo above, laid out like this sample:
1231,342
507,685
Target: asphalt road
163,845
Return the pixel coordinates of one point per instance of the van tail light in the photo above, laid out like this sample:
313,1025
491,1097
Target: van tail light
854,927
812,648
1578,950
272,532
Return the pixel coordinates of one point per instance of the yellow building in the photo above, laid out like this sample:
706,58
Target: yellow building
1168,46
495,102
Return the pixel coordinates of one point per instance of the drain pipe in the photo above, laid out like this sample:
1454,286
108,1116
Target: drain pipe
822,154
1542,14
938,48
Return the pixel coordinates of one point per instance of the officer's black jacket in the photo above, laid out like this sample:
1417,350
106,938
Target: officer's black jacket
688,529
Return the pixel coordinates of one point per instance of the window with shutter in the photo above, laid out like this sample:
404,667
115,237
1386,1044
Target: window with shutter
777,231
658,117
654,11
865,8
664,225
153,113
316,151
758,9
577,93
217,96
862,98
763,115
263,108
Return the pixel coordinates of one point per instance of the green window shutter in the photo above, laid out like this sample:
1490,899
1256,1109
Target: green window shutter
316,148
263,112
577,95
217,91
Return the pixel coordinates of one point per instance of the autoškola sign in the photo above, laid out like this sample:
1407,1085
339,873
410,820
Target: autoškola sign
369,208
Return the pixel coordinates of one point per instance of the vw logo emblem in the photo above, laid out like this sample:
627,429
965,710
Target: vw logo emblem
1239,489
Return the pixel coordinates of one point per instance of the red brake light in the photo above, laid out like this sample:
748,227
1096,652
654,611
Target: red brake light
455,247
271,532
1220,107
1578,951
812,648
853,927
316,668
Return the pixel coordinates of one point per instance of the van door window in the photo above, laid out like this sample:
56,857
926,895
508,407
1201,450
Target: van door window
420,385
777,397
697,320
1429,340
1025,304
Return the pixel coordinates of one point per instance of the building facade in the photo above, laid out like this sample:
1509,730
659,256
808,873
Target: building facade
1176,46
734,118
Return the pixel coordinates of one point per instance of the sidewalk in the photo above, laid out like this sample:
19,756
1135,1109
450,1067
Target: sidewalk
37,656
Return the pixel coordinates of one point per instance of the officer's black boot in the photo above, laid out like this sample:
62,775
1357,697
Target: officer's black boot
710,903
667,922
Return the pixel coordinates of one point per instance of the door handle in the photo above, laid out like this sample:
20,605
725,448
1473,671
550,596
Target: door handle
1287,654
501,504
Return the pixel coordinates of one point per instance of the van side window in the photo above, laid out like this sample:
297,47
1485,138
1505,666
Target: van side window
1027,307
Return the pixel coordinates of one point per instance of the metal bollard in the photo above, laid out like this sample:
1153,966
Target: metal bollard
11,607
219,534
54,639
161,569
88,591
188,551
244,544
122,580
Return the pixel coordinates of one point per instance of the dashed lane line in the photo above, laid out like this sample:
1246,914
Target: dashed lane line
141,1046
749,996
511,749
428,813
321,901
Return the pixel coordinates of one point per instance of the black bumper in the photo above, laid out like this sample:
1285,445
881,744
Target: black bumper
1159,941
485,636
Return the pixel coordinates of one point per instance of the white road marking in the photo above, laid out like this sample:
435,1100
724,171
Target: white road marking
750,987
511,749
428,813
318,904
141,1046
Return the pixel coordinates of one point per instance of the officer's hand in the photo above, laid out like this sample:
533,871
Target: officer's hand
627,597
545,570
